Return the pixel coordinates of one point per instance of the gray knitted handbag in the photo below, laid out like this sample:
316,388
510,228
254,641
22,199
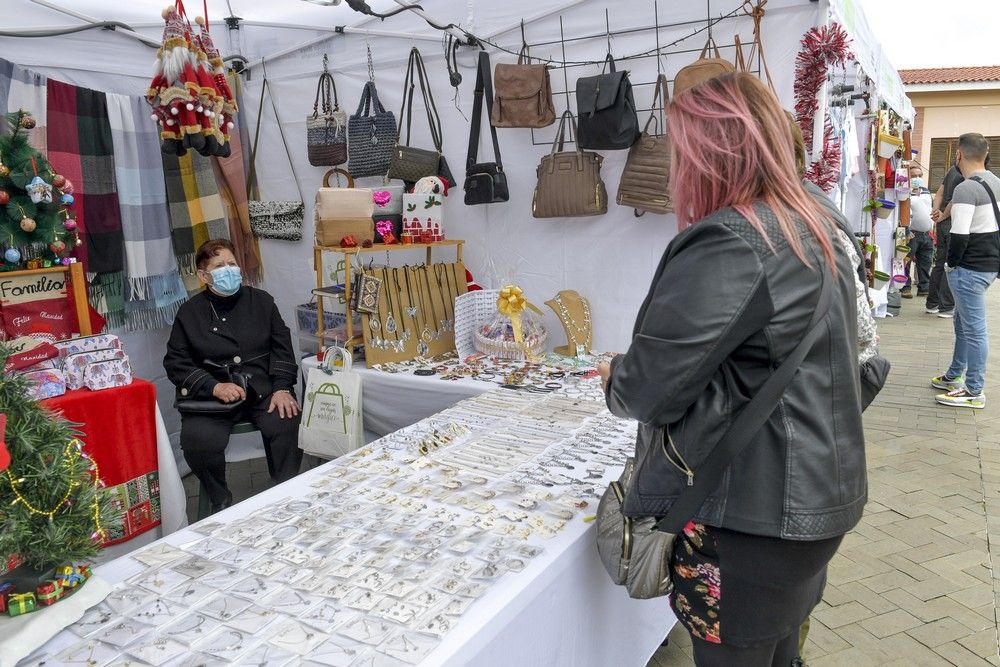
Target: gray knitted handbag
371,135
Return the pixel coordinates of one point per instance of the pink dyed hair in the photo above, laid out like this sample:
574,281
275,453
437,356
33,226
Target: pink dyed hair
732,148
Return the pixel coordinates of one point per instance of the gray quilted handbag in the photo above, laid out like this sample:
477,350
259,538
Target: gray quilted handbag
281,220
636,551
371,136
645,182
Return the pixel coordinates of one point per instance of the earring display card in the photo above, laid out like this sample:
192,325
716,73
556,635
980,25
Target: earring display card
416,312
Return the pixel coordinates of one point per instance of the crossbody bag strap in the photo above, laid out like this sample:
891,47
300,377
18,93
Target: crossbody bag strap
433,120
484,89
748,423
993,200
407,107
252,190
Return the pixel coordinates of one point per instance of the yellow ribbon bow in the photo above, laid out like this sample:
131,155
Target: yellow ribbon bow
511,303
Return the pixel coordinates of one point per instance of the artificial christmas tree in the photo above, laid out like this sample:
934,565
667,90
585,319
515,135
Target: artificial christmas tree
52,504
35,216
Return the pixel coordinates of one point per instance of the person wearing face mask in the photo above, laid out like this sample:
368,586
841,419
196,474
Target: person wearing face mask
226,332
921,243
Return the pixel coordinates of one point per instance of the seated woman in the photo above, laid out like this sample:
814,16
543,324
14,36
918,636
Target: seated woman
231,330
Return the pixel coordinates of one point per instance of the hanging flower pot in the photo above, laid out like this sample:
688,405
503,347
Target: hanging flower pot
888,145
902,251
881,279
885,208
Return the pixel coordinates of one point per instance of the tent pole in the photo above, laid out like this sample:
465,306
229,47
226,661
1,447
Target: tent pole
90,19
343,30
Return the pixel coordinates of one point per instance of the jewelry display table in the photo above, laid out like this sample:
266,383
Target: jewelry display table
390,557
397,398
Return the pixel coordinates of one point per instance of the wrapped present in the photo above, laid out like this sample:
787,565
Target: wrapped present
49,593
515,331
70,577
20,603
6,590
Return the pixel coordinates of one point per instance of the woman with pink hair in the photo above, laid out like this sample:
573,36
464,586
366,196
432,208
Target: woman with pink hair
733,296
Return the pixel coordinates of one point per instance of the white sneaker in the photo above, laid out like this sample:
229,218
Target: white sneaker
932,311
947,314
961,398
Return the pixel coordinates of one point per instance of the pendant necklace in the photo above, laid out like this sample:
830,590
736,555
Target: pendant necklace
584,331
390,321
373,320
411,310
428,333
447,324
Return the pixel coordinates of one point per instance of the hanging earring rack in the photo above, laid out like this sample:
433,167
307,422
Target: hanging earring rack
660,51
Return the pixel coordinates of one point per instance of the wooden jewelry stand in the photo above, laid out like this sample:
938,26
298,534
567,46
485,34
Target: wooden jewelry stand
574,313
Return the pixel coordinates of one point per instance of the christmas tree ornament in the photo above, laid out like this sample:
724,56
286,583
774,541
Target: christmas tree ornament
67,200
46,263
57,247
58,181
78,242
27,122
39,191
70,224
175,84
28,225
67,187
4,197
4,171
12,255
66,261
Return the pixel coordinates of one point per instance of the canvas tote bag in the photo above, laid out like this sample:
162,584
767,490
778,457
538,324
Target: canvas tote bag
332,422
645,184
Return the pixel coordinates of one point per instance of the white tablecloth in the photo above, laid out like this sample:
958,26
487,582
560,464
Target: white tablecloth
392,401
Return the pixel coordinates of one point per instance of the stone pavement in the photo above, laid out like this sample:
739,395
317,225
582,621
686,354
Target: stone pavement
915,582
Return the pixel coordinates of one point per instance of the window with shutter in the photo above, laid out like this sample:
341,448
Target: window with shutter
943,157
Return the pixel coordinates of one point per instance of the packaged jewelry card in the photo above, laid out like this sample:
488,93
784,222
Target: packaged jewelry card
296,637
124,599
253,619
158,581
398,611
159,554
191,628
195,567
157,650
368,630
157,612
327,615
267,566
221,577
124,632
266,654
337,652
226,643
91,653
410,647
93,619
437,624
254,587
189,593
290,602
223,606
209,548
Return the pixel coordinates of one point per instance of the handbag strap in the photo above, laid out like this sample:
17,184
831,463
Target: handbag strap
524,55
559,143
341,172
415,73
705,50
757,13
993,200
369,103
324,87
748,423
484,89
609,64
662,94
252,188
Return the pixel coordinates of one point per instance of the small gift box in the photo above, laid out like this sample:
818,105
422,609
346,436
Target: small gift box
6,590
49,593
20,603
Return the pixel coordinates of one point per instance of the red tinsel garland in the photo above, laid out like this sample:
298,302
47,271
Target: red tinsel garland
822,48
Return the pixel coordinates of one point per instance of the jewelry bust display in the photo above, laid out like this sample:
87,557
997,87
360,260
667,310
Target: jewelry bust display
573,312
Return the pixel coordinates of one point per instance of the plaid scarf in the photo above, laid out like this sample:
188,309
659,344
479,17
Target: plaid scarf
24,89
153,288
232,181
80,148
196,212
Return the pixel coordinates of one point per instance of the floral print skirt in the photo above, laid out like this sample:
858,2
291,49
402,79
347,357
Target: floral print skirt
744,590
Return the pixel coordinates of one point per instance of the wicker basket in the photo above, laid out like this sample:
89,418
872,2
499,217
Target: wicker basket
496,338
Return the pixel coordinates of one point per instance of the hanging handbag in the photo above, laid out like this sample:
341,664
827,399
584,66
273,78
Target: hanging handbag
569,182
606,110
410,164
343,212
326,132
636,551
272,219
523,94
371,134
645,184
702,69
485,183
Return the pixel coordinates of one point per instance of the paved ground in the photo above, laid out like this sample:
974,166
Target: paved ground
915,583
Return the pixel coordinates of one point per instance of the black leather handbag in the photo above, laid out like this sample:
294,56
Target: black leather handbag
606,115
213,406
410,164
485,182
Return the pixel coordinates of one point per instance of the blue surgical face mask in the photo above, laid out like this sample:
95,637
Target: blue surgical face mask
226,280
917,182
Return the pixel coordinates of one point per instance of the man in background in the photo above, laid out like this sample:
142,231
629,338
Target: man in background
939,299
921,243
973,264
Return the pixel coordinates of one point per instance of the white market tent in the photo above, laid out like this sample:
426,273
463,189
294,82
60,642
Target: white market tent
608,259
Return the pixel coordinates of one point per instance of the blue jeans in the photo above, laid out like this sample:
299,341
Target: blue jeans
972,343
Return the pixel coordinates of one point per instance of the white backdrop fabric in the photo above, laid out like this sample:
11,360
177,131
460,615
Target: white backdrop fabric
609,259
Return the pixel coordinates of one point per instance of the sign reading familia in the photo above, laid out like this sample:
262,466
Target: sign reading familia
35,305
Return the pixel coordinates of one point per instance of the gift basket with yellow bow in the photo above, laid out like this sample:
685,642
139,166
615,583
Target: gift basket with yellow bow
515,331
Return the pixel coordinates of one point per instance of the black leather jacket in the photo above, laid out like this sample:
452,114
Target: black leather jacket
723,311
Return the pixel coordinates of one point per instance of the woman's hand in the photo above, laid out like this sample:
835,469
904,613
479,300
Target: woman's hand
227,392
604,370
284,403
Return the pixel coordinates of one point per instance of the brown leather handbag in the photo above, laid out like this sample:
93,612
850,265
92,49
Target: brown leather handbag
523,94
569,182
645,184
703,69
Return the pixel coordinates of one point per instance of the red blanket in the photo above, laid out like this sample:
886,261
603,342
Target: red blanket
119,433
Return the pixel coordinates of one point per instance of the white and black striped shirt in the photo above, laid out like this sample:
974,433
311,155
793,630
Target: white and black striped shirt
975,231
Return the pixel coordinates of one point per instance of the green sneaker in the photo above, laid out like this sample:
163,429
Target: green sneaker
948,384
961,398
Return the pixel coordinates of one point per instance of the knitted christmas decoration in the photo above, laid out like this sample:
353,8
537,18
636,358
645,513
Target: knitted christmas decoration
822,48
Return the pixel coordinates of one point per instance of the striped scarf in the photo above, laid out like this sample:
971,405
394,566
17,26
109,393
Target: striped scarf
232,180
153,288
24,89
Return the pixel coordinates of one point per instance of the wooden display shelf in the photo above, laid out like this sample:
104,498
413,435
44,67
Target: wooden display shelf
352,339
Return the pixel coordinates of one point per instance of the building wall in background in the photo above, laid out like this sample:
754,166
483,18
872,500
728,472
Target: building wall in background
951,113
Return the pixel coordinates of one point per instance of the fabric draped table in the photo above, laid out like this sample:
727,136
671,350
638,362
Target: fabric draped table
123,432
